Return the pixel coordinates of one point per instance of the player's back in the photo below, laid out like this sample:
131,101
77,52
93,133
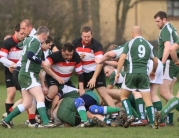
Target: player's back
139,53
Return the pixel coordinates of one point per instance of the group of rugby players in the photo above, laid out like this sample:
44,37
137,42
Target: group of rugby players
42,74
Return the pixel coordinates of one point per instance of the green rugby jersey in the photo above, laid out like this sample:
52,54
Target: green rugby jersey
138,51
31,44
120,80
177,42
119,51
167,33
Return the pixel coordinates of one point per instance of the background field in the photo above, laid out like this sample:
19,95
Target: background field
22,131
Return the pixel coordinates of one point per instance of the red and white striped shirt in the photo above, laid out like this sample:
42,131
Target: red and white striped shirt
63,68
10,51
91,51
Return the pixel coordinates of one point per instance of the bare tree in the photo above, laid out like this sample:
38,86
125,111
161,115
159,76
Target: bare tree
121,17
63,18
95,17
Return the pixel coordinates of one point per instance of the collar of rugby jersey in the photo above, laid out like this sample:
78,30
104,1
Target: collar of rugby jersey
84,44
43,49
14,38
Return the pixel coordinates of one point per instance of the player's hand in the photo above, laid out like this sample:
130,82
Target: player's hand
81,91
44,90
60,80
117,77
152,75
177,63
91,83
12,67
98,60
45,64
82,55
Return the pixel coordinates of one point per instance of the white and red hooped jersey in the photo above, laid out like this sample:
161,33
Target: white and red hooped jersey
63,68
10,51
91,51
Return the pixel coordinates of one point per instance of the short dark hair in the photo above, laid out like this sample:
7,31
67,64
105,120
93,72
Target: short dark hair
85,29
49,39
17,27
68,46
160,14
111,47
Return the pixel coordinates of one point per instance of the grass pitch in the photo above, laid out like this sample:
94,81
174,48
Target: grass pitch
22,131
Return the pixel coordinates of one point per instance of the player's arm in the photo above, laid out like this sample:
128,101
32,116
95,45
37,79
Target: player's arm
41,78
33,48
121,62
92,82
98,52
42,81
153,56
31,56
80,79
99,66
79,71
81,89
105,57
123,54
55,76
120,65
98,55
173,52
166,52
51,73
97,71
6,62
112,63
4,52
155,63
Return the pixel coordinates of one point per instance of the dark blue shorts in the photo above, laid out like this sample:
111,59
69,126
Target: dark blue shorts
88,101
